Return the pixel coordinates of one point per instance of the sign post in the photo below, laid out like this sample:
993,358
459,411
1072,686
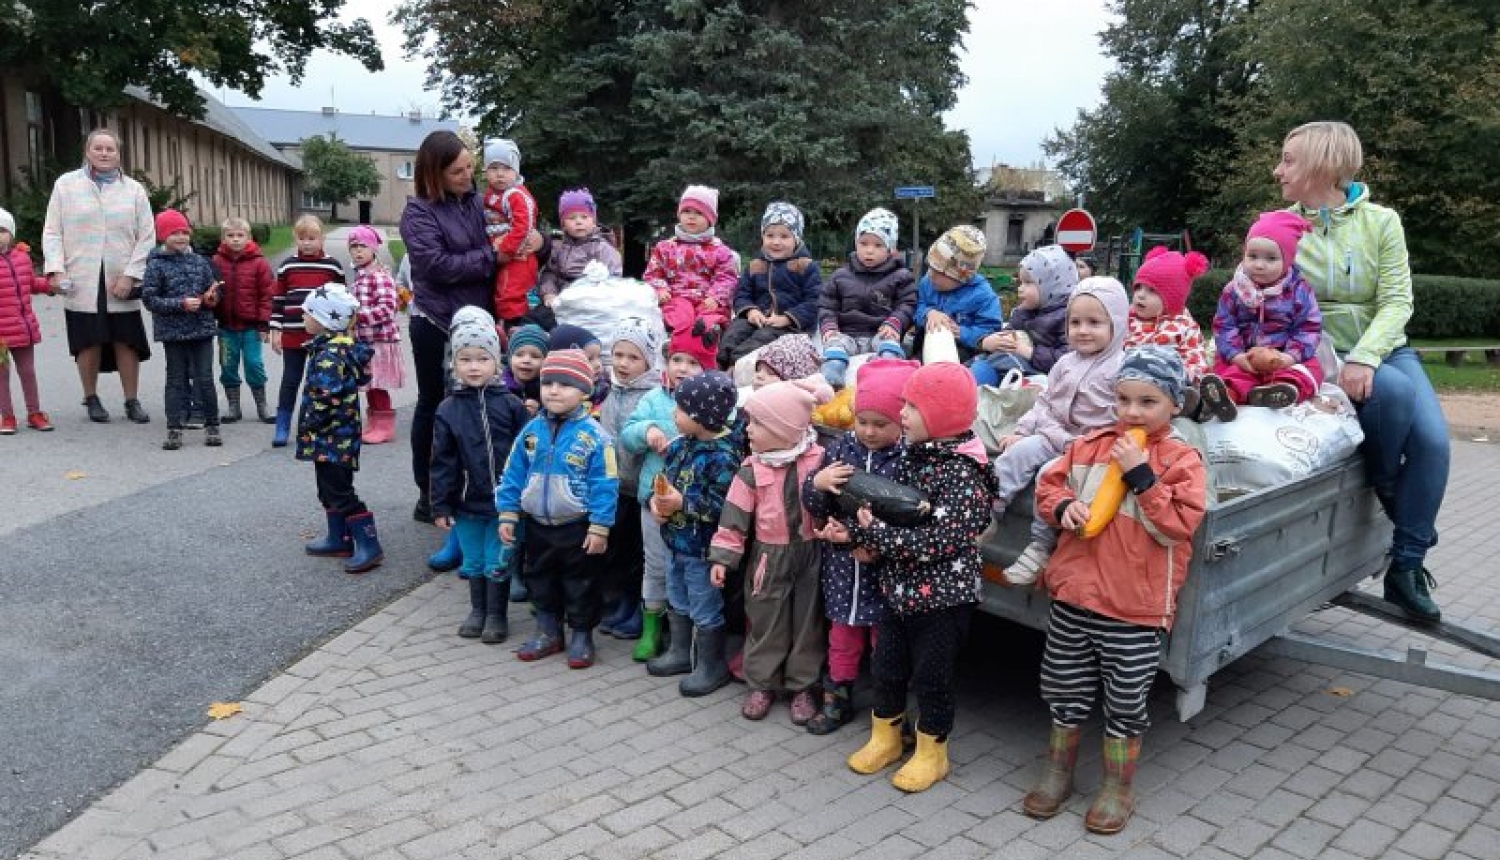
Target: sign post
1076,231
915,193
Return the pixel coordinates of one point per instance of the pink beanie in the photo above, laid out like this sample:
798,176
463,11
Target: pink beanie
784,409
1285,229
702,198
1171,275
945,396
878,384
364,235
170,221
685,342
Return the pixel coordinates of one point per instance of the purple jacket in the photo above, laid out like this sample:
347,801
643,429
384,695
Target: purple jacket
570,255
1289,321
452,263
1048,328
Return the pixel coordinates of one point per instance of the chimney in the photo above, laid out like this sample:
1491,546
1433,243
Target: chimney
330,111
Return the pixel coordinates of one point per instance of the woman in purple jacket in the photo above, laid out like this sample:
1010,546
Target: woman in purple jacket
452,265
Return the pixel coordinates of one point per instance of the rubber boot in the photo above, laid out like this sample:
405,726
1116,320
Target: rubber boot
926,766
496,607
337,543
883,749
448,556
283,428
262,411
710,672
380,427
231,397
1111,810
367,552
472,625
649,645
679,657
837,710
629,623
581,648
1055,784
545,641
1408,588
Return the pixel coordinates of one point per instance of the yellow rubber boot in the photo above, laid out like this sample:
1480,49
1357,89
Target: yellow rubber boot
926,766
884,747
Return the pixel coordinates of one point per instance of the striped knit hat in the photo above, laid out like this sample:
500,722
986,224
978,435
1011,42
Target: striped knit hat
569,367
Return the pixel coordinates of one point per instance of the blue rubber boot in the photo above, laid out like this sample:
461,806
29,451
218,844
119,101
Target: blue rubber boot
628,626
367,552
337,543
448,557
283,428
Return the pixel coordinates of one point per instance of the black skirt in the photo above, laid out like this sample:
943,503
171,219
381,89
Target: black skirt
87,330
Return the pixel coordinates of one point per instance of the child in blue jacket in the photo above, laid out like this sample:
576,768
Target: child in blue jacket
561,477
779,291
953,295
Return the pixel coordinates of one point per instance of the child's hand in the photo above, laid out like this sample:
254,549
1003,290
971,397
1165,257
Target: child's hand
1242,361
667,504
834,532
716,575
508,533
444,523
755,317
1126,454
939,321
663,296
657,440
531,405
833,477
709,304
865,518
551,301
595,544
865,555
1075,516
276,341
192,303
1007,441
885,332
779,321
265,336
999,341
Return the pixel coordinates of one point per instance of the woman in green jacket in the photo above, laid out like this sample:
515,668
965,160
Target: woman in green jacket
1355,259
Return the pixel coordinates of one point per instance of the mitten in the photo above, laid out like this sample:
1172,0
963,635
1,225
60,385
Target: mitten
835,365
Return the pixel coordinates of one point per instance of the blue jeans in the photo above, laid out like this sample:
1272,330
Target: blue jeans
483,553
1406,453
690,593
236,344
990,368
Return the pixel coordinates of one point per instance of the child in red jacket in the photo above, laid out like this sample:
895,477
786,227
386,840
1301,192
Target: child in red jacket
244,313
1114,594
19,331
510,216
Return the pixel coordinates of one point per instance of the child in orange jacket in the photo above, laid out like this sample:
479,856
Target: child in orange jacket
1114,594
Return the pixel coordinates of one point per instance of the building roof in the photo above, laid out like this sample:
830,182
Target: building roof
224,121
357,131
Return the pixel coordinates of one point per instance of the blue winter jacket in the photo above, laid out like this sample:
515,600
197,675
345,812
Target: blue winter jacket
791,286
851,590
560,471
472,435
328,426
654,410
171,277
972,304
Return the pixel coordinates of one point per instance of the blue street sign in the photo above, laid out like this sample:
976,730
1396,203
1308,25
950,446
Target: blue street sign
907,192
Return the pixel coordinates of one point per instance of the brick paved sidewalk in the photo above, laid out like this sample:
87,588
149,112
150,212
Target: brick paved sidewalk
398,741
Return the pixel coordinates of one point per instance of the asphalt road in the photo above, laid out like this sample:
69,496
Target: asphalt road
137,586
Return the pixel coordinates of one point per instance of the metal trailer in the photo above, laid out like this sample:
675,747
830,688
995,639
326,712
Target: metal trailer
1261,562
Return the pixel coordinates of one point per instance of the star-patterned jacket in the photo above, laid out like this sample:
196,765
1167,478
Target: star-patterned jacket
328,425
935,565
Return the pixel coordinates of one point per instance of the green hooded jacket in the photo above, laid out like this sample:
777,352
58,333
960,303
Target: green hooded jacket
1355,260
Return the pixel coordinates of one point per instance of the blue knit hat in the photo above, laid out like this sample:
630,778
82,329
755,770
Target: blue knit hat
570,337
707,398
528,335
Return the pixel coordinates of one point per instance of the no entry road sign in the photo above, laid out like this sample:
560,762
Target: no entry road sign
1076,231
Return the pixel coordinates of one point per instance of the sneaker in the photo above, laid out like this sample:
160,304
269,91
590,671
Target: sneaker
8,425
39,421
757,704
1214,397
1278,395
212,438
134,411
173,441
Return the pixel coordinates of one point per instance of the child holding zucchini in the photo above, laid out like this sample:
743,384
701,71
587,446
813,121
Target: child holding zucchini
1114,593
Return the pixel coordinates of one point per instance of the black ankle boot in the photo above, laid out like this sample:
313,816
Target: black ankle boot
473,626
496,606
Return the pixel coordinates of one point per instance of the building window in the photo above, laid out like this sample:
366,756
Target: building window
404,170
34,139
311,202
126,162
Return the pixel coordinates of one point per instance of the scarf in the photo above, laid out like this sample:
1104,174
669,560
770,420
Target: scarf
695,238
104,178
1253,295
787,456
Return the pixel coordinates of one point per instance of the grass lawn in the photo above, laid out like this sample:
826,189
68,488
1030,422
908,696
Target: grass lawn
281,239
398,250
1474,375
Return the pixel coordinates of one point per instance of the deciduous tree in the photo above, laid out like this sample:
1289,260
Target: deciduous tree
335,173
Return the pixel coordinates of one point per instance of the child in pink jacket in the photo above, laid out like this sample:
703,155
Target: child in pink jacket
19,330
694,273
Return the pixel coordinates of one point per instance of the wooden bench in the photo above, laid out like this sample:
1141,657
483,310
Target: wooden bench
1454,355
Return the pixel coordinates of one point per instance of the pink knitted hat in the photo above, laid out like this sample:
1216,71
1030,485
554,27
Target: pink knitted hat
1171,275
685,342
170,221
1285,229
702,198
575,200
878,384
784,409
945,396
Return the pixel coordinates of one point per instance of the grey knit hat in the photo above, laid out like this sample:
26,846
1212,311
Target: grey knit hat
1158,365
474,334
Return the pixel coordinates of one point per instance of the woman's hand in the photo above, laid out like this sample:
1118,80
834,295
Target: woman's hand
1357,380
122,287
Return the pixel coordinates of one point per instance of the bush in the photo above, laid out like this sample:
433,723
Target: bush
206,239
1443,306
260,232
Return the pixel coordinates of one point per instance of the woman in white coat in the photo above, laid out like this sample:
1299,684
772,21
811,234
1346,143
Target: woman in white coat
97,236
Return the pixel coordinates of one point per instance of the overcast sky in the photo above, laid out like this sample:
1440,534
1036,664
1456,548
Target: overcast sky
1031,65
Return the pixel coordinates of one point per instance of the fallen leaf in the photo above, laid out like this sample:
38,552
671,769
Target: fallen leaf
1341,692
223,710
75,474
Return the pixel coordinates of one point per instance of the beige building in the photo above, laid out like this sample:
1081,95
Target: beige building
221,162
1021,208
389,141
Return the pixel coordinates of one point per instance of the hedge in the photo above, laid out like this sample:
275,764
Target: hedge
1443,307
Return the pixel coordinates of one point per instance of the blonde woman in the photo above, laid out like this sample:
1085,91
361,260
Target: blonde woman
95,241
